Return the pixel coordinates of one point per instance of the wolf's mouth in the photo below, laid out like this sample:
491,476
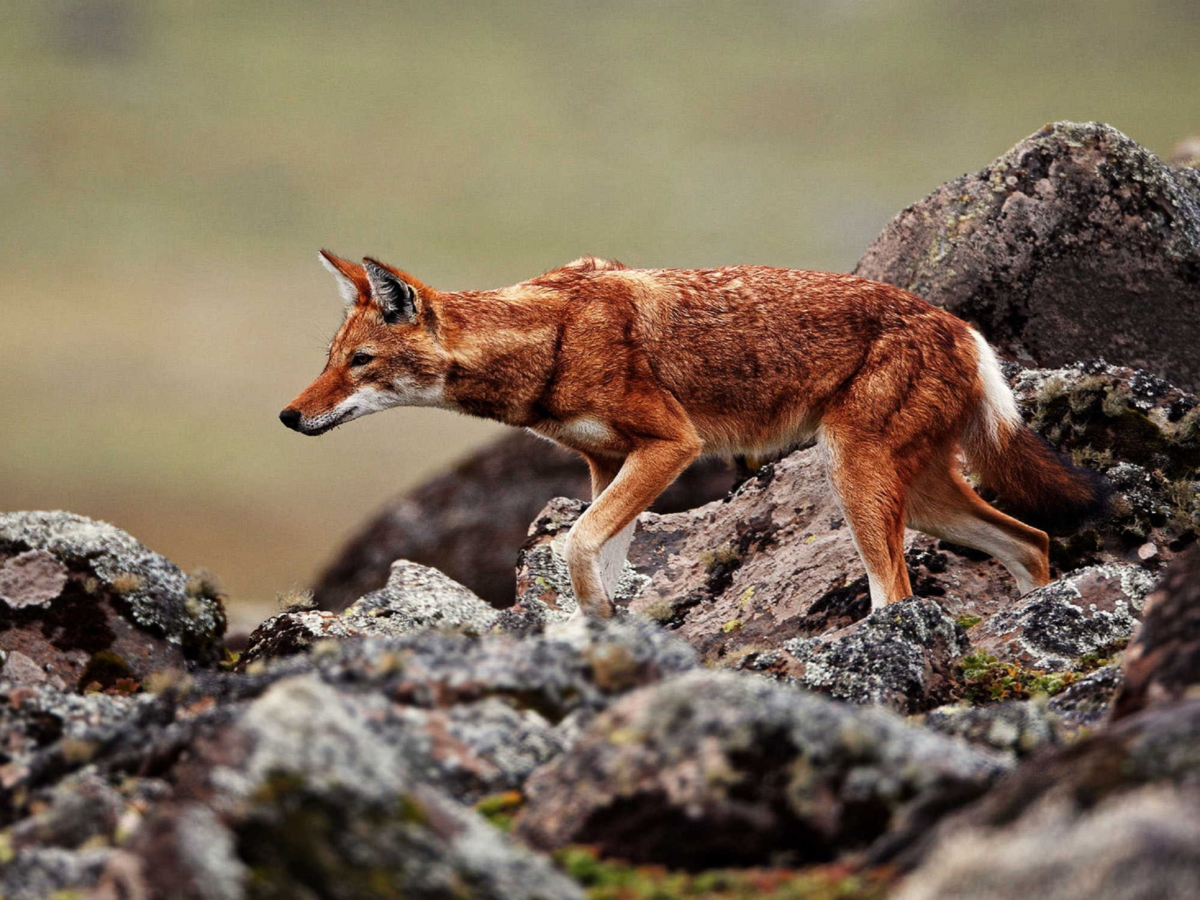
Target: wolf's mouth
329,426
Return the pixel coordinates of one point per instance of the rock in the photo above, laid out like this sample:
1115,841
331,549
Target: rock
42,728
470,521
415,598
18,668
1090,611
303,794
338,769
1141,846
1162,664
1016,728
471,716
86,603
292,632
1143,435
900,656
1158,747
43,872
1087,702
716,769
1077,243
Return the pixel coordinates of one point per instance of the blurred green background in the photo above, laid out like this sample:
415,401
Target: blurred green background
169,169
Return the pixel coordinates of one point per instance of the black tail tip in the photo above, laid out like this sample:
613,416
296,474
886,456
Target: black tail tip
1088,500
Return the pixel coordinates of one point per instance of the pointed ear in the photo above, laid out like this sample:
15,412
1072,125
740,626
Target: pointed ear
351,279
398,300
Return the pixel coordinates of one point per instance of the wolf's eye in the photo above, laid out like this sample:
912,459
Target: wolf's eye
361,359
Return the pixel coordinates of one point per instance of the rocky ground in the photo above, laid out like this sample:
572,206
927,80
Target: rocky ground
746,727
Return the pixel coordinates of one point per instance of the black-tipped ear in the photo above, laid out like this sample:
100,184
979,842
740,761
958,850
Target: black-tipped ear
398,300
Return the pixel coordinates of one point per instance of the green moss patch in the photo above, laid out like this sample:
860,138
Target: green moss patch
611,880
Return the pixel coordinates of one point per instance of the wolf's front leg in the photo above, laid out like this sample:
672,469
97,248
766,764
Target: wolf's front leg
598,542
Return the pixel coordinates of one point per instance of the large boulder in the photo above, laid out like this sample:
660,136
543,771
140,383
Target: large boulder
470,521
1076,243
84,604
900,656
713,768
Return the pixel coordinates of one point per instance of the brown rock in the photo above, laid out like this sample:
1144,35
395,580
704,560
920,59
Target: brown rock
470,521
88,604
1077,243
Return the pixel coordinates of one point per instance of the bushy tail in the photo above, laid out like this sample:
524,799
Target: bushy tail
1034,482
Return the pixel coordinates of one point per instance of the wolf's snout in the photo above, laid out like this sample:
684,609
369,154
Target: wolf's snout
290,418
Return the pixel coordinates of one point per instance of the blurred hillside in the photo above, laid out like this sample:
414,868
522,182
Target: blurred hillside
169,169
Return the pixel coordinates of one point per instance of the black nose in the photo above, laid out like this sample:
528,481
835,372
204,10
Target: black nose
290,418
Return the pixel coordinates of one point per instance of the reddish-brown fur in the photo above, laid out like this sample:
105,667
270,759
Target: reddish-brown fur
642,370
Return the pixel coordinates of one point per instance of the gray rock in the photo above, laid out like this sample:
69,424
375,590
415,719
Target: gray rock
417,597
1077,243
1092,610
712,769
901,656
304,794
42,726
38,874
1088,701
1016,728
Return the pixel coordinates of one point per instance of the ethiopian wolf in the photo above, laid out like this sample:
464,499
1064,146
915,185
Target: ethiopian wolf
641,371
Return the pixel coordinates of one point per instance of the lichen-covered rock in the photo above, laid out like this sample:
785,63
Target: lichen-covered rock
714,768
900,656
1143,435
1162,664
1088,701
1077,243
415,598
300,797
470,521
86,603
291,632
52,872
471,716
1146,845
1092,610
42,730
1016,728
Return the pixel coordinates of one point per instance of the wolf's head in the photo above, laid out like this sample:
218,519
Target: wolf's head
385,354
